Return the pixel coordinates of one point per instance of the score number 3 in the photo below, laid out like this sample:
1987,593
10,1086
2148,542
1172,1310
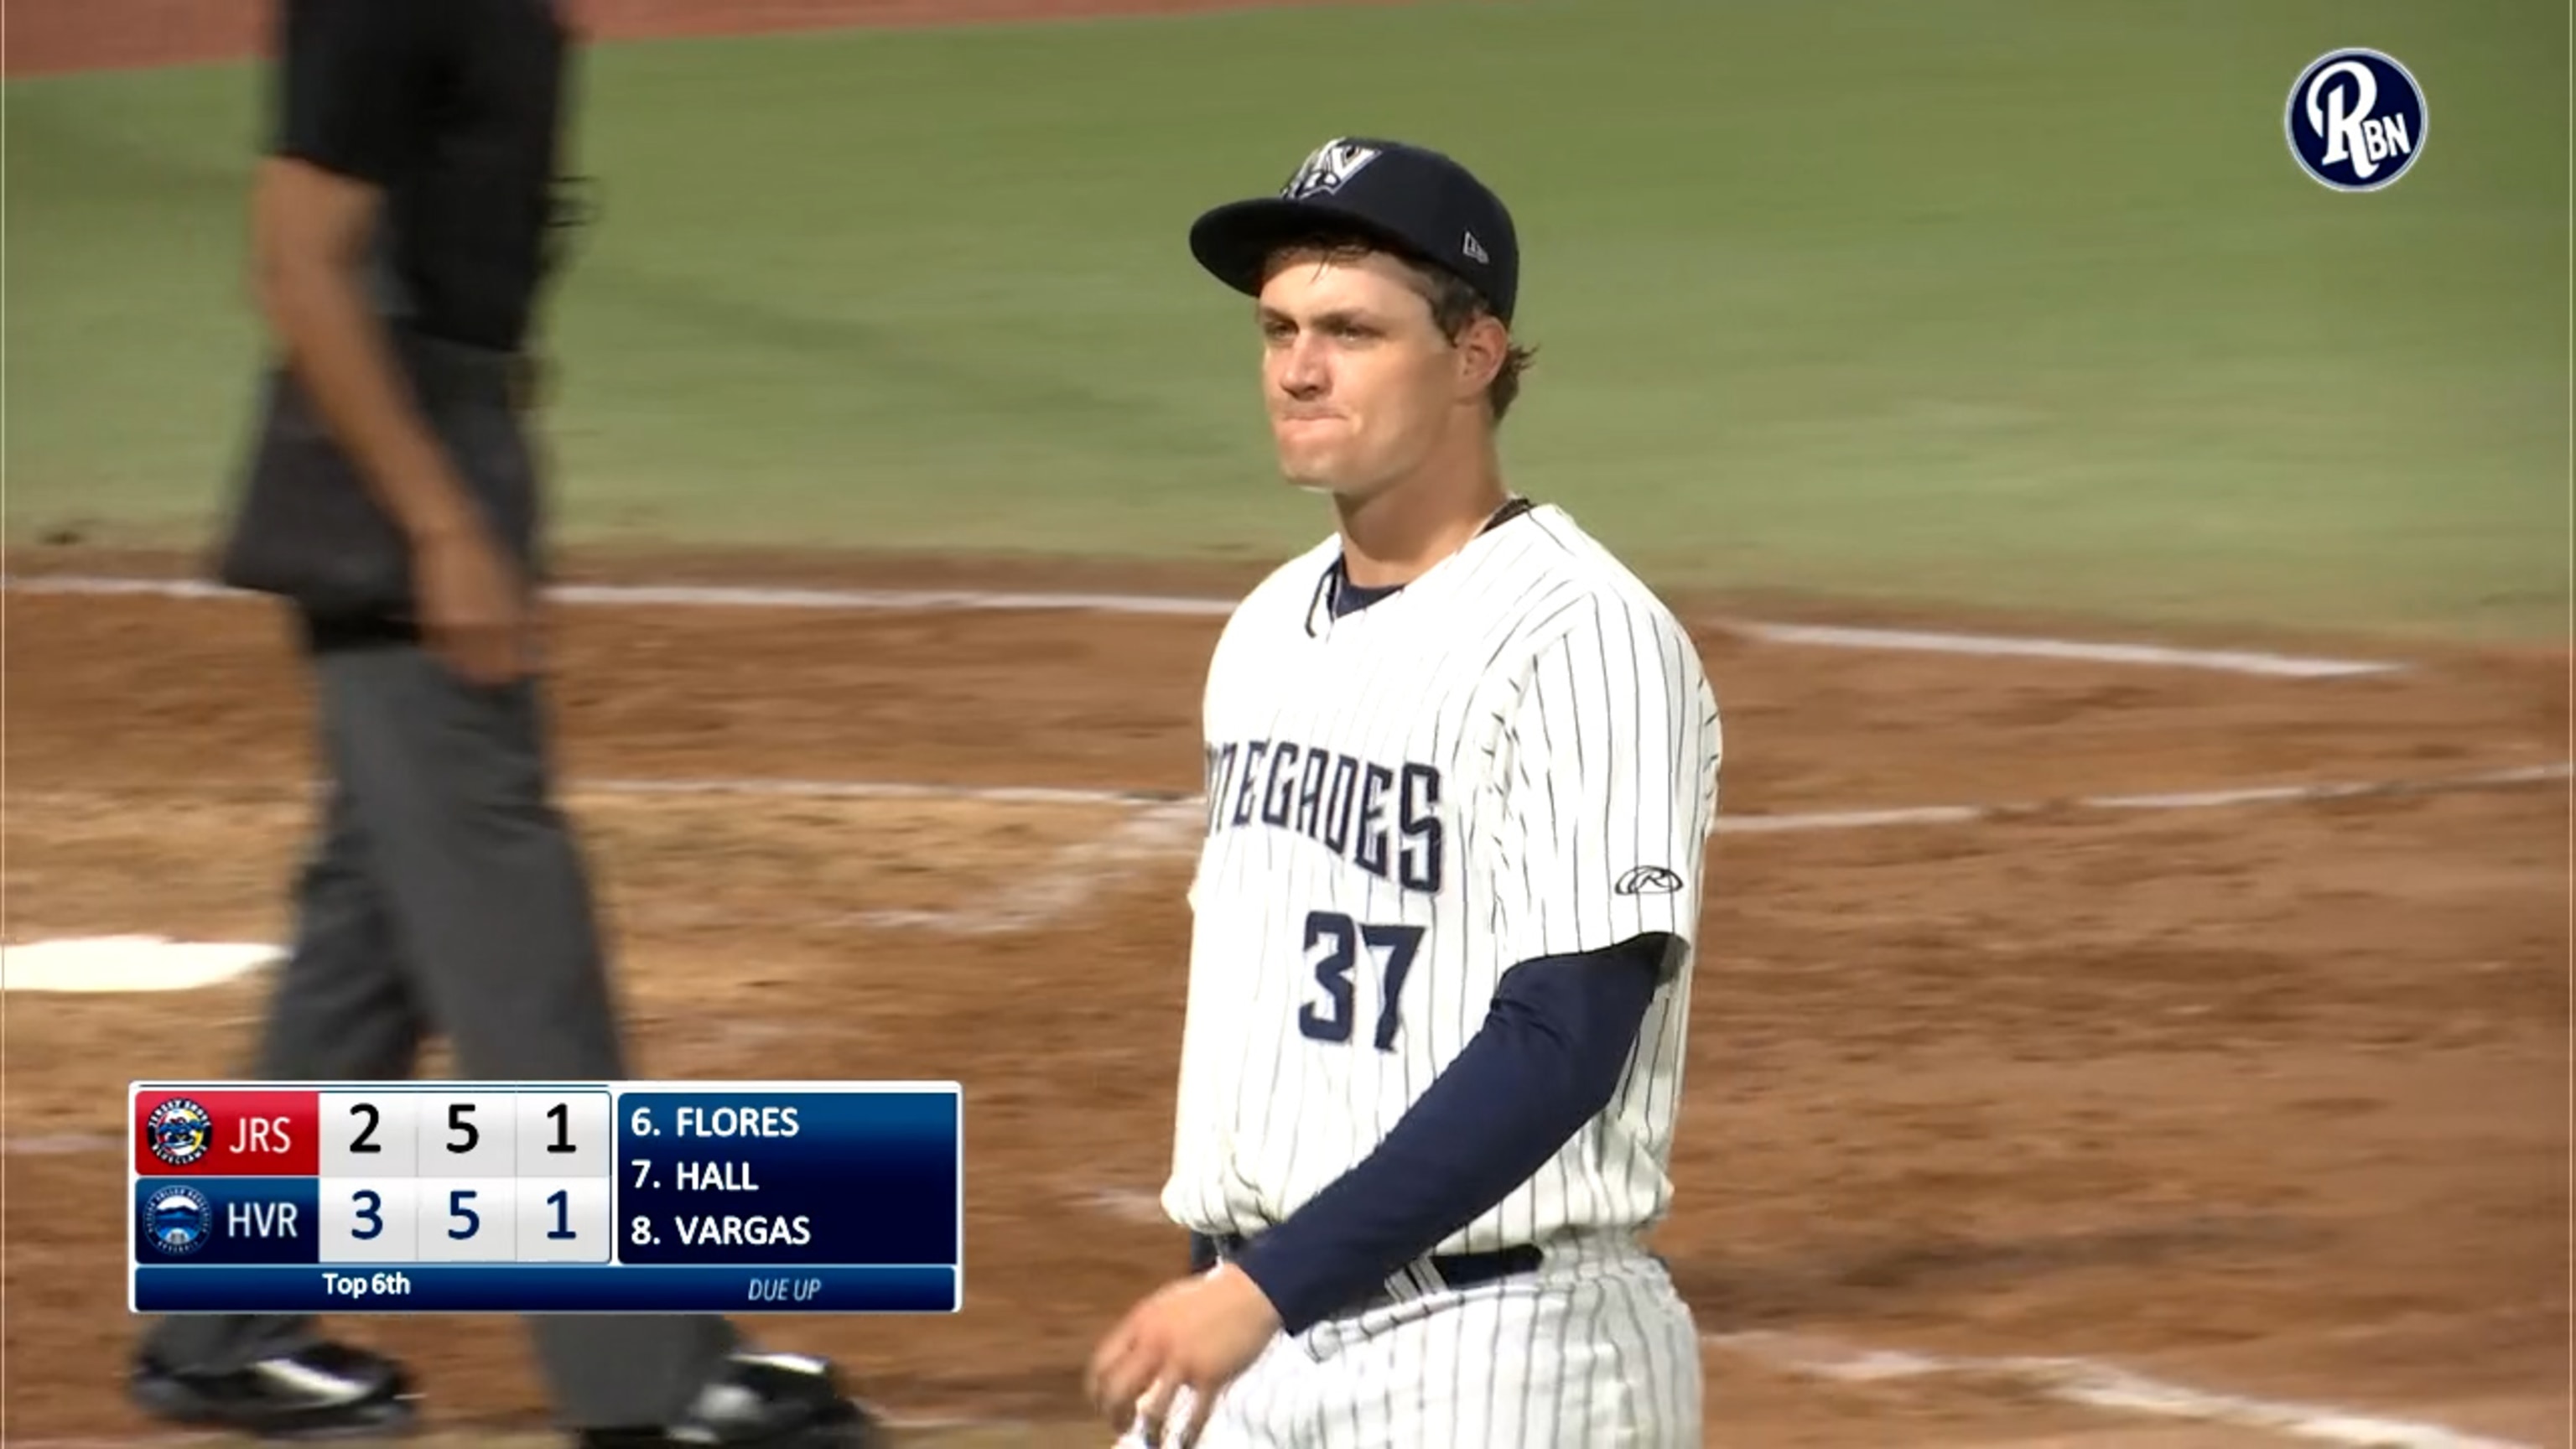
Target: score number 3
1340,938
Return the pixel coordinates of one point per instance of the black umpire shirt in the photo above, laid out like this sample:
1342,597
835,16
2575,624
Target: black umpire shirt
452,108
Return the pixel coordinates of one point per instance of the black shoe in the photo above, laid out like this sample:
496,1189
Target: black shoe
328,1391
759,1401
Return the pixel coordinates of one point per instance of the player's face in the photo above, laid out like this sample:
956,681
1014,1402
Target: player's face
1361,383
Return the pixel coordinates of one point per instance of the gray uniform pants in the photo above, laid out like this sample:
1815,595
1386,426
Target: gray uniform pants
446,893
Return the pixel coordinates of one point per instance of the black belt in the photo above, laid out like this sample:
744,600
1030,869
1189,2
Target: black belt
1446,1270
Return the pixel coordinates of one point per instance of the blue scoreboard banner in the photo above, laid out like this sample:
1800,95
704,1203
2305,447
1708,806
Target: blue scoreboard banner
547,1197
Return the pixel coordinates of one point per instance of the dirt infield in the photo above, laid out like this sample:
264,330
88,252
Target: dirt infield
2264,1100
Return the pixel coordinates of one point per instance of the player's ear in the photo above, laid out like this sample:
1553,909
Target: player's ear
1483,347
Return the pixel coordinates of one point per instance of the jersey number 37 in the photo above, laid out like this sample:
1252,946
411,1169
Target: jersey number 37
1391,950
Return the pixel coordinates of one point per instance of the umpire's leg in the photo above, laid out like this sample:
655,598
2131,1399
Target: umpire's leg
341,1010
491,898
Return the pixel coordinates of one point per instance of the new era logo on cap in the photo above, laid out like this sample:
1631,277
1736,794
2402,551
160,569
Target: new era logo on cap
1406,198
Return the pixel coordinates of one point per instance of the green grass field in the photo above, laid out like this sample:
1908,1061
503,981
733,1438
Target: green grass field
2008,303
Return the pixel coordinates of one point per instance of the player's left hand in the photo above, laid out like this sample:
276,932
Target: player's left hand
1197,1334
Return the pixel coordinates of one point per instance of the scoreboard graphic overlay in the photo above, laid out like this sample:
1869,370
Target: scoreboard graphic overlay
554,1197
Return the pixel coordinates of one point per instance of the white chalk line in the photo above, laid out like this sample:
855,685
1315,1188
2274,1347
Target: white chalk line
2230,661
1828,636
1065,884
65,1144
1726,824
1167,823
2104,1386
795,789
1165,827
792,788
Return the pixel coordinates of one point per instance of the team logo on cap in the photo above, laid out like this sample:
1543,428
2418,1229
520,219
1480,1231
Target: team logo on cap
1329,168
179,1131
2356,120
178,1220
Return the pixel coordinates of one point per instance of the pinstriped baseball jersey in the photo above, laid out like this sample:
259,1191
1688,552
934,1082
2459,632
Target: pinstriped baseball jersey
1515,756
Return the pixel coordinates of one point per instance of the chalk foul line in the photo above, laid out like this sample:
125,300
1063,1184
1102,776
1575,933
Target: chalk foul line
1066,883
2100,1386
2229,661
795,789
2315,792
1828,636
1162,824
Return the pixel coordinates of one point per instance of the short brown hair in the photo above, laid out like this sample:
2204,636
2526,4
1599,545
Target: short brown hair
1454,304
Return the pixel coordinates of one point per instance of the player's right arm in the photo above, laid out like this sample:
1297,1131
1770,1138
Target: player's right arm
354,105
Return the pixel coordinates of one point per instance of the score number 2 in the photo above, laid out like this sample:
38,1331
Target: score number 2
1340,938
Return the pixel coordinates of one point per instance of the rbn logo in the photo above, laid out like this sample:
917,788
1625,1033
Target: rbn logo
2356,120
2352,133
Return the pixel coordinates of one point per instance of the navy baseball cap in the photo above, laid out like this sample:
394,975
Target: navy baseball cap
1408,199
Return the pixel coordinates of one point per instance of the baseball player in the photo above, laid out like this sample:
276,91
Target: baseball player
1461,769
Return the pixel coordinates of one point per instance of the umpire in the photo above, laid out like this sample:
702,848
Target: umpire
403,220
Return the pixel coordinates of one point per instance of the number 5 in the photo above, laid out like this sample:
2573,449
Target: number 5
1341,938
456,1208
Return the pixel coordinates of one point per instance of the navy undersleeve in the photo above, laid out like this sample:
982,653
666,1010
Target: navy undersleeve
1545,1062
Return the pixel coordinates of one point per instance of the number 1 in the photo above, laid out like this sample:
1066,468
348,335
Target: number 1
562,1113
562,1204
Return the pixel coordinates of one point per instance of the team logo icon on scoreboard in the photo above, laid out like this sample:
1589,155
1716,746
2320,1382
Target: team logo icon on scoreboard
178,1220
181,1131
